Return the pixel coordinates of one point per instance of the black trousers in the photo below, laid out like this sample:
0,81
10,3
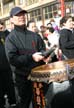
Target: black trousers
24,88
6,87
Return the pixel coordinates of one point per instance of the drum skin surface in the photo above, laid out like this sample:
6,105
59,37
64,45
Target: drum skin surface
53,72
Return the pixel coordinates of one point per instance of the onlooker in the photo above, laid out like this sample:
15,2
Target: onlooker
66,40
31,25
64,98
49,24
43,30
53,37
54,25
6,82
73,24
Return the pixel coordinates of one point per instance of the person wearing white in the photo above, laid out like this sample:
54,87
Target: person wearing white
53,37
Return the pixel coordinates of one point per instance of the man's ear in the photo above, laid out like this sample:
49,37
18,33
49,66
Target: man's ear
11,19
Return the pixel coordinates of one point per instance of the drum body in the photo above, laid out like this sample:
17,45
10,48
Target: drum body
49,73
58,73
53,72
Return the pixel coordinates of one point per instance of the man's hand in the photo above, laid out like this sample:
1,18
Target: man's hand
37,57
47,60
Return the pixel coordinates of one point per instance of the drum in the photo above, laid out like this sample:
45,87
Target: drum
43,75
49,73
54,72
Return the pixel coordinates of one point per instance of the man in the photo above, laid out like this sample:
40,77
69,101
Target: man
6,83
23,49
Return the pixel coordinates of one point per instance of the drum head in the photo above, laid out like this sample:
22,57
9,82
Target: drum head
53,72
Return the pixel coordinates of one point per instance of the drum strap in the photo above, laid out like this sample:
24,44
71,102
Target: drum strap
38,95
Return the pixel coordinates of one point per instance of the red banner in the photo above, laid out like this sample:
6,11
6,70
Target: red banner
62,7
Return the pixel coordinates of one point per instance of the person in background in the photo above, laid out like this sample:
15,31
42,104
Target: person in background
3,28
23,49
43,31
47,44
66,40
49,24
54,25
73,23
31,25
53,37
65,98
6,82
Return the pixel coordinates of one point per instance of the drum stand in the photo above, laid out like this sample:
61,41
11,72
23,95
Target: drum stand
38,95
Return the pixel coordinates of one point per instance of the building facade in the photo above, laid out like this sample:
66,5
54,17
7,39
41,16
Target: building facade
39,10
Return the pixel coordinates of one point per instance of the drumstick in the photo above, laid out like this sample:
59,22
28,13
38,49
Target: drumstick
48,52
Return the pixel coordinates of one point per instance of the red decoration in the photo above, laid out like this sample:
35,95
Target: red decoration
62,7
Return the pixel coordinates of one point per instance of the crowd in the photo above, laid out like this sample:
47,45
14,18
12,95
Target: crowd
21,51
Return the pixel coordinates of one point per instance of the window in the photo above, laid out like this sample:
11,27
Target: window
6,8
47,11
36,15
50,11
21,1
69,8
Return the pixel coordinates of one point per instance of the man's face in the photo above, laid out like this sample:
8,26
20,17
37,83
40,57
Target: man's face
19,19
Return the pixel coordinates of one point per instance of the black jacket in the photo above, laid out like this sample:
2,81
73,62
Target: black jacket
66,42
20,45
4,65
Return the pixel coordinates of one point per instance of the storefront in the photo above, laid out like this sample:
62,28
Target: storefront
45,12
42,13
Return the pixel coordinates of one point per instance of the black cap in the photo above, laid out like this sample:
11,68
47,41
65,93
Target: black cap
14,11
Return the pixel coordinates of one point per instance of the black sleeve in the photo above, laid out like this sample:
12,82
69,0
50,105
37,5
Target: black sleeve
65,40
13,57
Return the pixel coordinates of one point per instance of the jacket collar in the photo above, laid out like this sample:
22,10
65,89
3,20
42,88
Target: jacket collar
20,28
